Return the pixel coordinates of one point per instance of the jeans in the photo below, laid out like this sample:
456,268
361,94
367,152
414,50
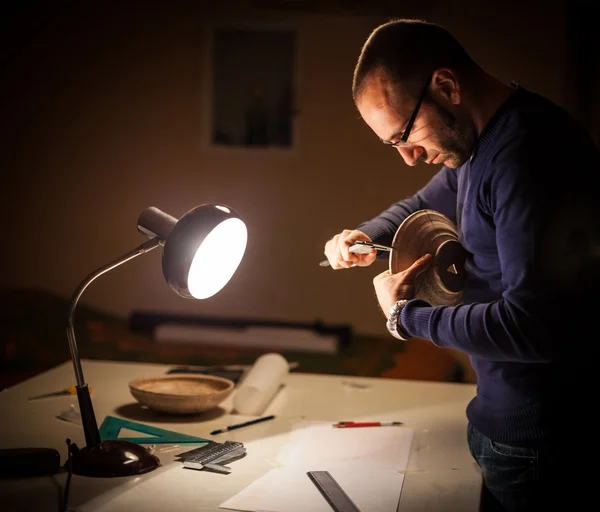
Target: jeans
545,476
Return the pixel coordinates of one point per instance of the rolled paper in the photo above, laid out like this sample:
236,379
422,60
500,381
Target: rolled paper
260,384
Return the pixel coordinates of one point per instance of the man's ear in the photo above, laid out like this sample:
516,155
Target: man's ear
446,85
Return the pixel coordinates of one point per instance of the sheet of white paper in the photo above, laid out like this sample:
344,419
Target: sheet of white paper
317,442
289,489
368,463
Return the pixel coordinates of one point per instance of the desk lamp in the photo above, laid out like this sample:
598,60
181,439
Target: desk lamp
202,250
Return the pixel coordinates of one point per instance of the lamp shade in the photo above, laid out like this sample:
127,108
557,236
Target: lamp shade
202,249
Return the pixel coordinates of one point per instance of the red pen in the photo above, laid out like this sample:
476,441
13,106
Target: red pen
353,424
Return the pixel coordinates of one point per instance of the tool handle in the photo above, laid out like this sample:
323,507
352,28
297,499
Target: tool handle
361,248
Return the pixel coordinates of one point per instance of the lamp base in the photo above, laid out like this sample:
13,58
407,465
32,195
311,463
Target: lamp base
112,458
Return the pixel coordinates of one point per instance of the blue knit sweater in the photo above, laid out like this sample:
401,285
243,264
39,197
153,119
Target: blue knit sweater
526,210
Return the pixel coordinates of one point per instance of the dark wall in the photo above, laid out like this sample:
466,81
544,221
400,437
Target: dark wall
104,113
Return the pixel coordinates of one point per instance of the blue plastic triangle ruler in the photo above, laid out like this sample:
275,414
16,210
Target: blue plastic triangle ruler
111,427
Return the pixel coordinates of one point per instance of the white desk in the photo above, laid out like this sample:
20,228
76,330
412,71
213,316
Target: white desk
441,474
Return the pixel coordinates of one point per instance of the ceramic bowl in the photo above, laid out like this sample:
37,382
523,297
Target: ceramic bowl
181,394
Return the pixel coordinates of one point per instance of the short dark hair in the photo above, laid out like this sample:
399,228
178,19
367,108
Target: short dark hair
409,50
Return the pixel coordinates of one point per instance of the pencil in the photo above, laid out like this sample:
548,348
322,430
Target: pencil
240,425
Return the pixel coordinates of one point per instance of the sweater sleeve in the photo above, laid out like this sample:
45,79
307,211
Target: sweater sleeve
438,194
525,323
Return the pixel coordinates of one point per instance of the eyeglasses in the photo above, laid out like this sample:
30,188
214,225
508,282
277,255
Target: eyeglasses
402,142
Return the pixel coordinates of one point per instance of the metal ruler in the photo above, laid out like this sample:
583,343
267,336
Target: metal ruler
332,492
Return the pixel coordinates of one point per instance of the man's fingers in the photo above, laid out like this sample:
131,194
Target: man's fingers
364,260
419,266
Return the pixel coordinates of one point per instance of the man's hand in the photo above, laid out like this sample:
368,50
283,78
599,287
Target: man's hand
390,288
339,255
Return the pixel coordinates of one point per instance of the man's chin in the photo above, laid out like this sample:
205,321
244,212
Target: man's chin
454,161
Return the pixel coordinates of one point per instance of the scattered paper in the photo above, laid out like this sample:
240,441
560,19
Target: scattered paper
368,463
72,415
289,489
319,442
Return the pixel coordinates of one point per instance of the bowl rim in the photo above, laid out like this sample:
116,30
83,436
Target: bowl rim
199,377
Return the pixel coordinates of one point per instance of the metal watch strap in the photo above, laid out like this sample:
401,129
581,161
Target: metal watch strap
393,322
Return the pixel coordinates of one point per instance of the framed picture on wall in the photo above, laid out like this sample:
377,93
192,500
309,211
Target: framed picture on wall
252,86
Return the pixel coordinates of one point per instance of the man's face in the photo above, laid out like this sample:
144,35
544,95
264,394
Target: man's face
438,135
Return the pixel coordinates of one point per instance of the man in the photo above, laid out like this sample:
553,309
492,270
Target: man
520,179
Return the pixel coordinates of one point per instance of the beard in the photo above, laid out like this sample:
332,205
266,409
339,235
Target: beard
456,139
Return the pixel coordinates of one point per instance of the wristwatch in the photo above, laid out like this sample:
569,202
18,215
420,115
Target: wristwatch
393,322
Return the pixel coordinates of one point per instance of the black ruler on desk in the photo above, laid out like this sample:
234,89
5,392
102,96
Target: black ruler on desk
332,492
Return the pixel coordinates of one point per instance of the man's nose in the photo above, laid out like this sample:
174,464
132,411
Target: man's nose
411,154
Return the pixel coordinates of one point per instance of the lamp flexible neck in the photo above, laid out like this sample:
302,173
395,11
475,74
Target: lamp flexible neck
88,418
142,249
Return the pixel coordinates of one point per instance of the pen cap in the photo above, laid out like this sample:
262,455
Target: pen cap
260,384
